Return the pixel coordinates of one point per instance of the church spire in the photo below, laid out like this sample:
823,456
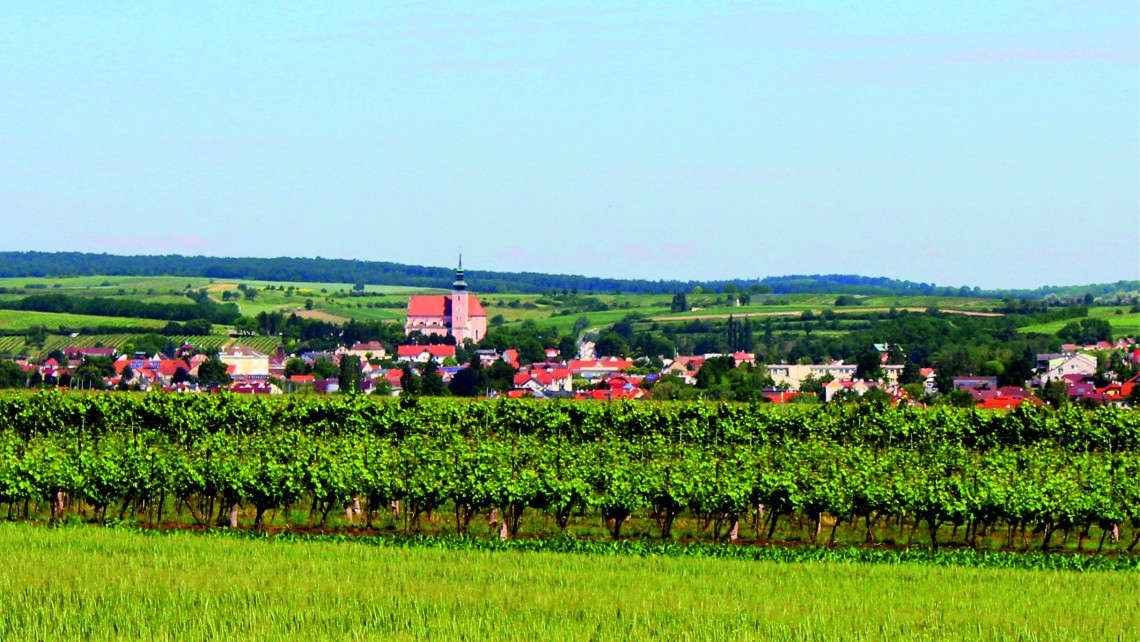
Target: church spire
459,283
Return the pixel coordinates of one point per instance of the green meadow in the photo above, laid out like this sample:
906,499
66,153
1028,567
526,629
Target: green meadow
1123,322
18,320
101,584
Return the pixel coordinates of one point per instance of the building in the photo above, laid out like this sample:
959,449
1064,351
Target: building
245,362
423,354
364,351
793,375
459,314
1053,367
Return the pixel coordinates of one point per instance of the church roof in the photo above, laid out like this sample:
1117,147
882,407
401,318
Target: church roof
439,305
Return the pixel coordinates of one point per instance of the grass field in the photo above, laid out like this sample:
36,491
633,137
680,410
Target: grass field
386,303
92,583
1125,324
22,320
178,283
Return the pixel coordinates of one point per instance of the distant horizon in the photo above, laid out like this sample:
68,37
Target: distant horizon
468,269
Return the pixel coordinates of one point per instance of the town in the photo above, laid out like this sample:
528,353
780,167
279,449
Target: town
441,355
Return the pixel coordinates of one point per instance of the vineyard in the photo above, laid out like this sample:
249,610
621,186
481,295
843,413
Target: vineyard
1030,479
22,320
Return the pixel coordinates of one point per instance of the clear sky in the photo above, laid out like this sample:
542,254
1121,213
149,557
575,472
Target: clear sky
981,143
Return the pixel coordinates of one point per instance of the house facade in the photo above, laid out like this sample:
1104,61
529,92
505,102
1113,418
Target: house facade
245,361
1053,367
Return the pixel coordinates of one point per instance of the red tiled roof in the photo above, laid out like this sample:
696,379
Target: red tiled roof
439,305
168,367
474,307
433,350
609,362
1002,402
429,306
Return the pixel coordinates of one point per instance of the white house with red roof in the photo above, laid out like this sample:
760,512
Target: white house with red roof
423,354
246,361
595,368
364,350
459,314
544,379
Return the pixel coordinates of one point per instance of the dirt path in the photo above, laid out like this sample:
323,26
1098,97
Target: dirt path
320,315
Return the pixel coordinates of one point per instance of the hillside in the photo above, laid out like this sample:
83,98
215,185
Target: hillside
321,270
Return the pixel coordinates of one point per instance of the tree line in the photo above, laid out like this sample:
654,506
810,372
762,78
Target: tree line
220,313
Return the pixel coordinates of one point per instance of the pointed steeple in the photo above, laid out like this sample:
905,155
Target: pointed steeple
459,283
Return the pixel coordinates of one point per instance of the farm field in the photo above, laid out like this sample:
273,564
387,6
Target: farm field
17,320
172,289
190,586
107,283
178,283
1124,324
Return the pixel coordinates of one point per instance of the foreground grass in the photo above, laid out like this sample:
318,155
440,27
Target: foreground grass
92,583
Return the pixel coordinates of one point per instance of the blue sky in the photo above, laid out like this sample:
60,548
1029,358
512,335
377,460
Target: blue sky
980,143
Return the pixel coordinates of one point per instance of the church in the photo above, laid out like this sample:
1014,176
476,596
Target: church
459,314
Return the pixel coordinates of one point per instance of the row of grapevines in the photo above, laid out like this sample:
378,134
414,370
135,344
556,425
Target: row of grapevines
1038,488
1108,429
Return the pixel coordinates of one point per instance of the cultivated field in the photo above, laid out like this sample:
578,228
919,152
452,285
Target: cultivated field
19,320
92,583
1123,322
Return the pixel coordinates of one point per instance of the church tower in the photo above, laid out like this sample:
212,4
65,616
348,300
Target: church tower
460,328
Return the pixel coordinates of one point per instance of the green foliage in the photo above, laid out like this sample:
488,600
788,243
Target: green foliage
212,373
11,375
409,381
680,303
348,377
470,381
1030,468
611,344
318,587
1086,331
324,368
431,382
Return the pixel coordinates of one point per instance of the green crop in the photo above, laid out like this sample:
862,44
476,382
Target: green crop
1032,479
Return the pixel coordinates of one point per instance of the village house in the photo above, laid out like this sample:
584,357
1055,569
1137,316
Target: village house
549,381
78,354
1052,367
597,368
423,354
245,361
793,375
364,351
